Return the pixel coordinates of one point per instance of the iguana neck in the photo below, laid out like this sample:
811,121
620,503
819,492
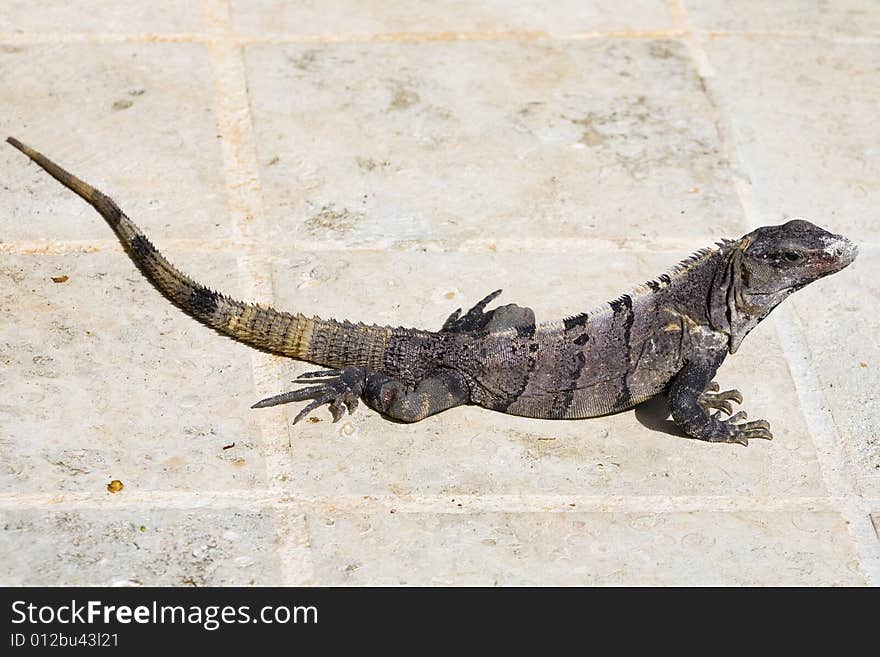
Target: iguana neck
733,309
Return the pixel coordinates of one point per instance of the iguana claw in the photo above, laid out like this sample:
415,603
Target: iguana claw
712,399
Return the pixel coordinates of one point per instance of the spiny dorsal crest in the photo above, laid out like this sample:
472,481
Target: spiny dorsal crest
655,284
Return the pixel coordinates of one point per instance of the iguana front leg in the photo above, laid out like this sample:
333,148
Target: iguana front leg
497,319
340,389
692,394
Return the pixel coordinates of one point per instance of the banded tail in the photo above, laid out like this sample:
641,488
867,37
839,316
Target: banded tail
325,342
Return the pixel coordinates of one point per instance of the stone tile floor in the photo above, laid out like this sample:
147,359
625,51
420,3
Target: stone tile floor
391,161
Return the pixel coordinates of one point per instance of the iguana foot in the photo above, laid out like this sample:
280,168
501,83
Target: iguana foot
473,320
692,394
339,389
728,430
732,430
712,399
497,319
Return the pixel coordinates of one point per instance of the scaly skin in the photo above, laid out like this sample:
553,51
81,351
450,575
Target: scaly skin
669,335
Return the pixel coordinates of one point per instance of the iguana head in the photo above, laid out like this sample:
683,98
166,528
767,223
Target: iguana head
787,257
767,265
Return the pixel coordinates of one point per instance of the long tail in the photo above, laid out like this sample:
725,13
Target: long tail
325,342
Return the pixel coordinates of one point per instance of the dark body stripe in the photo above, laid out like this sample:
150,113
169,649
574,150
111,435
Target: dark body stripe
577,320
624,307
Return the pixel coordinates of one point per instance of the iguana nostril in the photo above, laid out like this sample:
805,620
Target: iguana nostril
843,250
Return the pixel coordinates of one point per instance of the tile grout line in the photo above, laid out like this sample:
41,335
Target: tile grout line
831,452
523,36
244,196
430,503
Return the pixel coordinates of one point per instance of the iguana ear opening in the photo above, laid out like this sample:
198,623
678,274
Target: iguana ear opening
727,297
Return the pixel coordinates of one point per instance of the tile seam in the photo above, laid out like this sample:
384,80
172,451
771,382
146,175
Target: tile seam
244,195
449,503
522,36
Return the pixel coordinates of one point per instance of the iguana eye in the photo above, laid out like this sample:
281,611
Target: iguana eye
789,256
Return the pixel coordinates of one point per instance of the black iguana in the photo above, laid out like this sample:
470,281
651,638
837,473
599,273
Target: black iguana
670,334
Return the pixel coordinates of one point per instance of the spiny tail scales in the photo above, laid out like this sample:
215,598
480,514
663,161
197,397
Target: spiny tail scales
324,342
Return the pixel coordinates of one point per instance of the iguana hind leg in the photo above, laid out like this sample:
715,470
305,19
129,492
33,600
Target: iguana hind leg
497,319
691,396
340,390
441,390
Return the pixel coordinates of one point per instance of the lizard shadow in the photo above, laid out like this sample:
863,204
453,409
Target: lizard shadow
654,414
